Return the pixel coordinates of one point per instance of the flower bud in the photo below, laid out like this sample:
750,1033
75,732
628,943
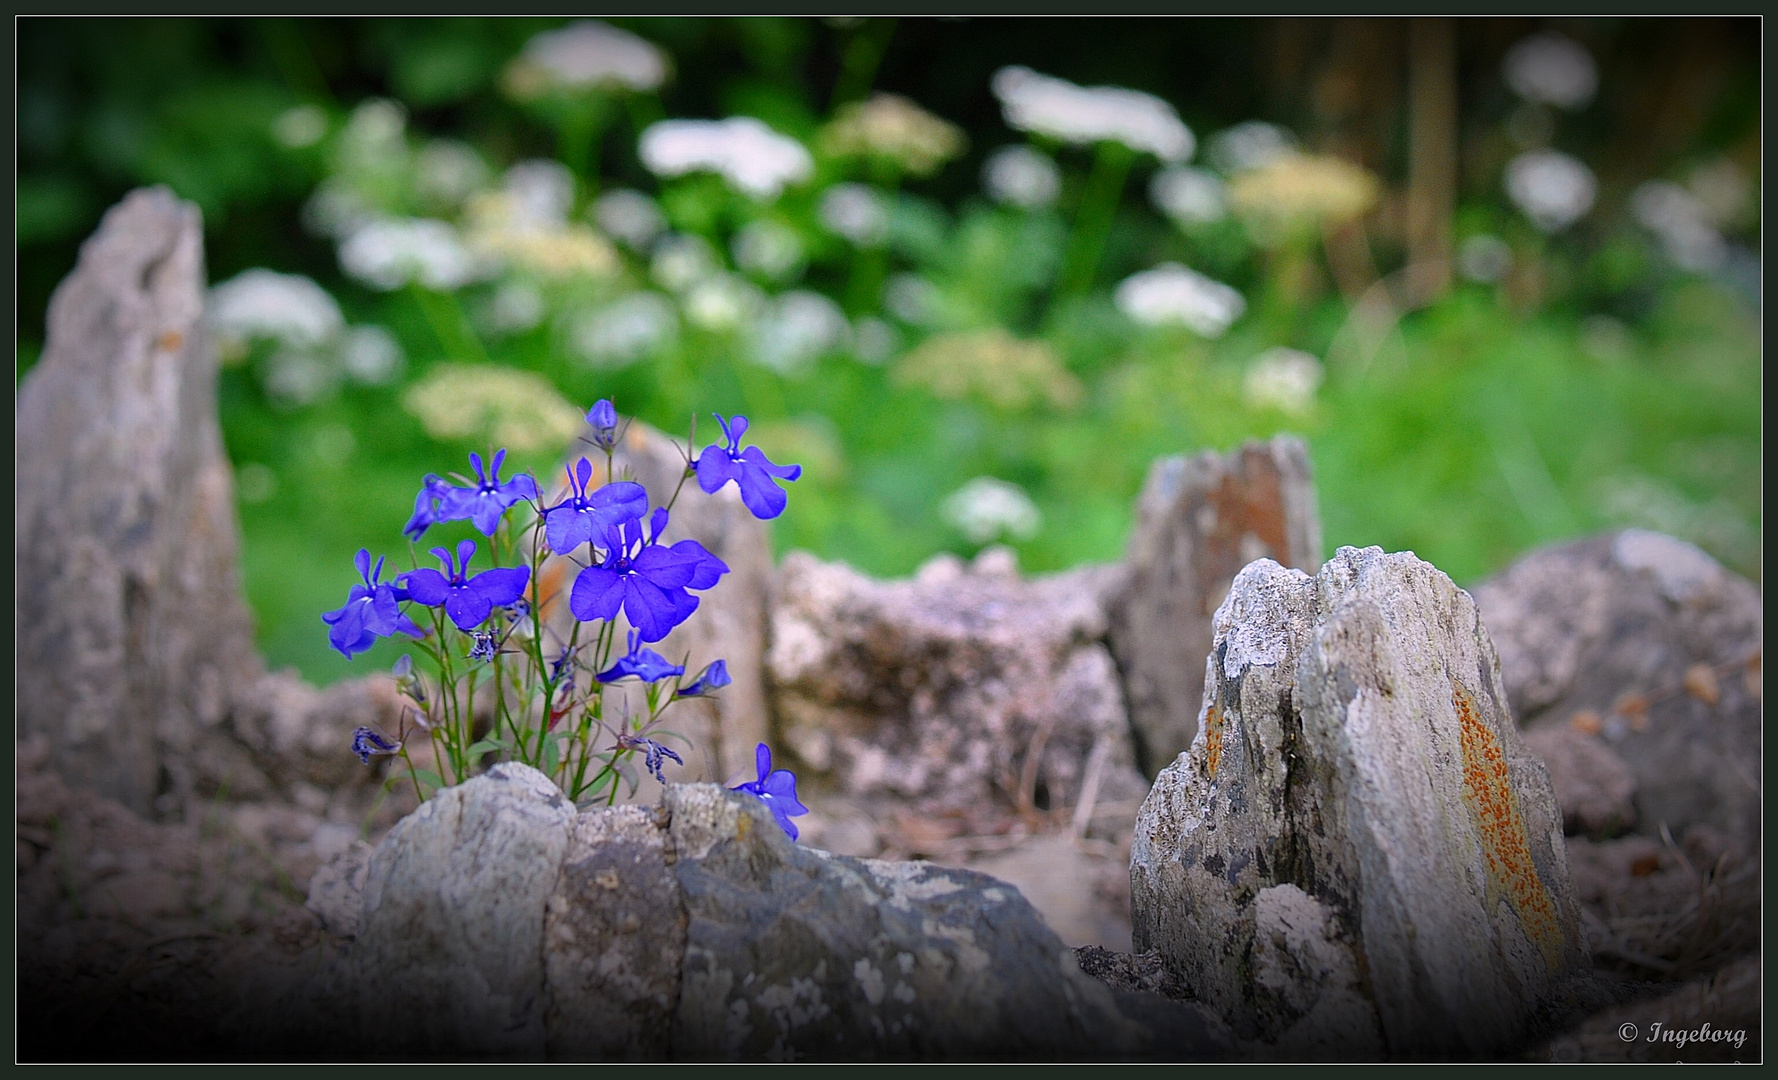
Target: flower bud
603,418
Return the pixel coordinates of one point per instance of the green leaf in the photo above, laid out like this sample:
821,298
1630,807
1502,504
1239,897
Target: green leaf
488,746
429,778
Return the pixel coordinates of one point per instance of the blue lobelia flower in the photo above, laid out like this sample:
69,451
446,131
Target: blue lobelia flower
776,789
466,600
603,419
484,504
644,664
748,468
366,742
371,611
647,580
432,489
711,678
654,751
582,518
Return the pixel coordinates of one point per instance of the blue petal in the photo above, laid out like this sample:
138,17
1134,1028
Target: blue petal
467,608
598,593
502,585
427,587
714,469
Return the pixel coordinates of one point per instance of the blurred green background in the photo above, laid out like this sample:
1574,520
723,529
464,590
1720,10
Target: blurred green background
1507,291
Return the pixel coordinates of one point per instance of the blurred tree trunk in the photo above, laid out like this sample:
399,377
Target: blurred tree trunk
1432,161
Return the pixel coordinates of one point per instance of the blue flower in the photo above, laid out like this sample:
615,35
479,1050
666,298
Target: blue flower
776,789
582,518
466,600
366,742
647,580
603,418
749,469
432,489
711,678
654,751
370,612
644,664
489,499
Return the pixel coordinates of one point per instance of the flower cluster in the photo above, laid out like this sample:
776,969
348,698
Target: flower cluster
560,707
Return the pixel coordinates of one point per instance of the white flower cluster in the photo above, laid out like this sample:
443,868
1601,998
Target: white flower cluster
587,55
630,216
518,409
1021,176
394,252
1251,144
768,248
987,508
1553,189
1172,294
797,329
629,329
1090,114
857,212
1548,69
1682,223
1484,258
301,126
1282,379
315,347
1189,196
750,156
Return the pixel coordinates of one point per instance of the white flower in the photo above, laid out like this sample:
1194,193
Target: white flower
750,156
297,377
373,139
681,261
1251,144
1551,70
722,302
336,211
630,216
911,298
1682,223
1189,196
1553,189
517,409
768,248
517,306
1089,114
447,172
588,54
873,340
1021,176
1484,258
1282,379
541,190
388,254
525,229
1170,293
857,212
288,308
986,508
305,125
891,126
798,329
625,331
371,355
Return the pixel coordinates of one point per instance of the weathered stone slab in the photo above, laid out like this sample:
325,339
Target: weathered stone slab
1199,520
1650,644
1358,856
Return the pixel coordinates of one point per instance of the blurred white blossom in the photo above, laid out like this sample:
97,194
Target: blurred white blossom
1251,144
516,306
288,308
447,171
1021,176
541,190
297,377
1724,192
873,340
304,125
389,254
336,210
891,126
768,248
1189,196
722,303
986,508
1551,70
797,329
1089,114
1282,379
585,55
1171,293
630,216
992,364
750,156
911,298
1484,258
520,410
1681,222
374,140
370,354
1553,189
626,330
857,212
1294,193
681,261
522,228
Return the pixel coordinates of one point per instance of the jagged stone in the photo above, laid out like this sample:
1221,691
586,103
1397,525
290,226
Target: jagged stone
1653,644
1358,856
135,651
1594,787
1199,520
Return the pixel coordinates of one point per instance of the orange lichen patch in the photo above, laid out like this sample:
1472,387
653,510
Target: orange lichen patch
1587,722
1487,788
1213,738
1700,682
170,340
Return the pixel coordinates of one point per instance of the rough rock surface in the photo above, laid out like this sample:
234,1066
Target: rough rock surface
1594,787
1199,520
1358,857
135,651
1648,641
496,923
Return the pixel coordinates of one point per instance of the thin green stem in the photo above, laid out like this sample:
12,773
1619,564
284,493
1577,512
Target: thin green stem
1092,221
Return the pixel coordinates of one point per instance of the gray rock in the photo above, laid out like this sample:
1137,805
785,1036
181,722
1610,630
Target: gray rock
1651,642
1198,521
135,651
1594,787
1358,856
